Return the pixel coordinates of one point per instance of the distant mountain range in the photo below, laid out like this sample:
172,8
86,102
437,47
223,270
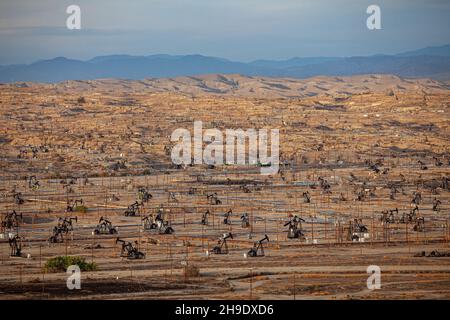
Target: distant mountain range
431,62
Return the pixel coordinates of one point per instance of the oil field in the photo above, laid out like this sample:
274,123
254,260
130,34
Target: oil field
87,178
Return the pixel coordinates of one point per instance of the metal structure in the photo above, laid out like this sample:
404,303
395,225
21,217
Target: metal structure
222,246
11,220
15,244
129,250
357,230
258,248
213,199
205,218
245,220
65,225
105,227
157,223
144,195
227,217
295,230
133,209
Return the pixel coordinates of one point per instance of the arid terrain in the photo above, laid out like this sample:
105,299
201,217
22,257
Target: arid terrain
351,148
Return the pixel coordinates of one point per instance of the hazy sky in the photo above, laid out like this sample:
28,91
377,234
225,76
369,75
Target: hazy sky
236,29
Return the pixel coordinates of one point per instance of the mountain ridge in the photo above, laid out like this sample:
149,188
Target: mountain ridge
431,62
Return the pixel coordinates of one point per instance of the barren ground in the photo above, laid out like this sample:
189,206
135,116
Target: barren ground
333,128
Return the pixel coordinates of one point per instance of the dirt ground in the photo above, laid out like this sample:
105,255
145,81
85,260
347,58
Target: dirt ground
376,140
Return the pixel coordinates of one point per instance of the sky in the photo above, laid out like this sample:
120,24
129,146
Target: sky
241,30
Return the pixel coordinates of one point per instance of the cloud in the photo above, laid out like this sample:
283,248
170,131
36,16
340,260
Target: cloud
50,31
236,29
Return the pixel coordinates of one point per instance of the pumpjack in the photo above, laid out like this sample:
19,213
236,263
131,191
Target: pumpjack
388,216
213,199
227,217
356,230
445,185
245,220
18,198
11,220
417,198
149,222
411,216
164,227
171,197
437,162
361,194
419,225
158,223
66,223
326,187
258,248
129,250
33,183
422,165
133,209
58,235
144,195
295,228
436,205
64,226
374,168
118,165
222,246
306,197
15,244
205,217
414,211
67,183
105,227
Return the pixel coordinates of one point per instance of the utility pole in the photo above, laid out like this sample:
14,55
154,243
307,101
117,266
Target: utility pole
294,286
251,283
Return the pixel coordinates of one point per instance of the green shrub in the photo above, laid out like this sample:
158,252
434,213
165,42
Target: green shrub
61,263
81,209
260,164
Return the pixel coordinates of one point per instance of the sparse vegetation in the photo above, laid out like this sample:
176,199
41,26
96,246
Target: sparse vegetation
61,263
81,209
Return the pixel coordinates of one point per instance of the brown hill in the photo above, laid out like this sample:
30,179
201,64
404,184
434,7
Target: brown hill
256,87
